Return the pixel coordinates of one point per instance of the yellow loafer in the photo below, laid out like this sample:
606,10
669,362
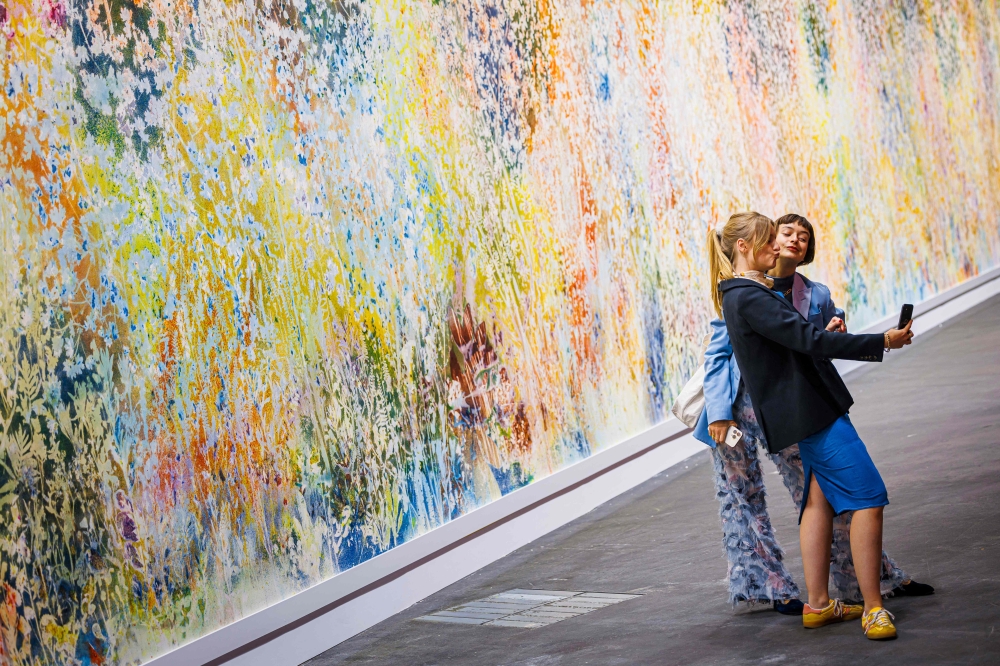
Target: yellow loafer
836,611
878,624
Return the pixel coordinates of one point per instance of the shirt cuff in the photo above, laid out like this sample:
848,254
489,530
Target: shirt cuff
720,413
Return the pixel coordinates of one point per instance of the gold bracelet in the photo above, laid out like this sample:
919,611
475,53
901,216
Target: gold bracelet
887,348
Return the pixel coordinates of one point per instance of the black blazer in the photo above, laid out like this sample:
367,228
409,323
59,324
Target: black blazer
785,362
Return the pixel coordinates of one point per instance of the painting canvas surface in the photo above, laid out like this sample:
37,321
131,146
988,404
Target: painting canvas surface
286,283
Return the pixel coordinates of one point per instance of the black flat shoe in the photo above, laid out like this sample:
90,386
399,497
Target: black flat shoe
913,589
789,607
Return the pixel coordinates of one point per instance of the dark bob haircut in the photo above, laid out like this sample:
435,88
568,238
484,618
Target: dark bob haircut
792,218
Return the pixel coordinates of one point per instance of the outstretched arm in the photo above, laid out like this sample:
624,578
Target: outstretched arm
775,321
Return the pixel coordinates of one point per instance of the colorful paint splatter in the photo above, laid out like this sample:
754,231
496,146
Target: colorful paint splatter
288,282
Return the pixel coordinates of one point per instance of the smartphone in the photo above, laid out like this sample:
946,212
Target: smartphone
905,315
733,436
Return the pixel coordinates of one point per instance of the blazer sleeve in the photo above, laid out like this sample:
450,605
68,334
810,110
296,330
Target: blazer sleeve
778,322
718,356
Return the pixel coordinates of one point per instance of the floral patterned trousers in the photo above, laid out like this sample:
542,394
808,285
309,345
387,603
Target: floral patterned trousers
757,570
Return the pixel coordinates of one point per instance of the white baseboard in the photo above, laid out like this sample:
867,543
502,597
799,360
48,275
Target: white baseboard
313,621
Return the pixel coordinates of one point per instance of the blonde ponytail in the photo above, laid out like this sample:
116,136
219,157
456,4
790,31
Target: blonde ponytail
754,228
720,267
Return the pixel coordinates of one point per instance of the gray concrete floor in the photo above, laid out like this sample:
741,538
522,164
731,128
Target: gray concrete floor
929,416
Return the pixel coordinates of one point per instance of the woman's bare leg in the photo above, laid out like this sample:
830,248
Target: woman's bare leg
843,580
815,536
866,548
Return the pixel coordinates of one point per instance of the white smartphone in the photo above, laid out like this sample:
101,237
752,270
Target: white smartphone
733,436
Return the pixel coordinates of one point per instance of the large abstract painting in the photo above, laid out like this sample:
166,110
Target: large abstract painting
286,283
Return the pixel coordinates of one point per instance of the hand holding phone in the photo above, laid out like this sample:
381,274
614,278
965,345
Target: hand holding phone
901,336
733,436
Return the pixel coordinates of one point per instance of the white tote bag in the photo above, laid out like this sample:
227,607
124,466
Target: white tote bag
691,401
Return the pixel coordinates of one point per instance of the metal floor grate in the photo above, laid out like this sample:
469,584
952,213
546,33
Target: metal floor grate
527,609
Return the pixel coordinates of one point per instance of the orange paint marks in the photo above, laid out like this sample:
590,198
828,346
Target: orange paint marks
588,215
581,320
652,53
96,654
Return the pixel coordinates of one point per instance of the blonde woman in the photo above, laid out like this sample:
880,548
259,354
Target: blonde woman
757,572
797,396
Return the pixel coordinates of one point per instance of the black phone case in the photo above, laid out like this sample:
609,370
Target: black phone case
905,315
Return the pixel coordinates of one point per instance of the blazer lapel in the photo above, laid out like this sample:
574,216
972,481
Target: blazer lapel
801,295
